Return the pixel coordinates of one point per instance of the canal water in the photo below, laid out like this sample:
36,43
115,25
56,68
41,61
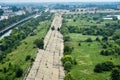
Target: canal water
6,34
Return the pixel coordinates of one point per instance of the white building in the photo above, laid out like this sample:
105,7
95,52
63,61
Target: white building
4,17
20,12
28,9
118,6
8,11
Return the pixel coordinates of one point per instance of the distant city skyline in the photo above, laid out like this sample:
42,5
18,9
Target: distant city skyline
59,0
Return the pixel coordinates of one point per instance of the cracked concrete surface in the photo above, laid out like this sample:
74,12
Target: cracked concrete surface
47,65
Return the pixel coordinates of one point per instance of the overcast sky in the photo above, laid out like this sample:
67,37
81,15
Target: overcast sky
59,0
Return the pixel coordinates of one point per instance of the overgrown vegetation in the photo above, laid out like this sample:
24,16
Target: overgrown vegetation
15,63
95,45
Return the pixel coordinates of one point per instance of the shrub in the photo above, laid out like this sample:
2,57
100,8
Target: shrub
39,43
68,76
67,65
28,57
66,58
115,75
89,40
67,49
66,38
107,52
106,66
53,28
19,72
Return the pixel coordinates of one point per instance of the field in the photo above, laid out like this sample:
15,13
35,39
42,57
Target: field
87,54
18,56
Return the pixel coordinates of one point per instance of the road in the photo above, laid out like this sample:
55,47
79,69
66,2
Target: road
11,26
47,65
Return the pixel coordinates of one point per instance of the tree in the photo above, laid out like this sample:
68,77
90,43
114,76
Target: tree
19,72
67,65
105,38
89,40
1,12
97,39
28,57
66,58
79,44
69,77
66,38
115,75
67,49
39,43
106,66
53,28
114,18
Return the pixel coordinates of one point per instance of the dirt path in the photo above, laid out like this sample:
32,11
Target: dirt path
47,65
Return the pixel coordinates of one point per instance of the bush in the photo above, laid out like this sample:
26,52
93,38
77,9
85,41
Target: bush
115,75
66,58
67,49
106,66
89,40
97,39
53,28
67,65
28,57
39,43
79,44
19,72
107,52
68,76
66,38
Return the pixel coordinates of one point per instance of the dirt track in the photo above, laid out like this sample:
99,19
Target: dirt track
47,65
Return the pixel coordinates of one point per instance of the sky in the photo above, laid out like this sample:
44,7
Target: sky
59,0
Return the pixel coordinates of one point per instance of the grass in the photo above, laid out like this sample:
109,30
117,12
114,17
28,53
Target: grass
17,57
87,56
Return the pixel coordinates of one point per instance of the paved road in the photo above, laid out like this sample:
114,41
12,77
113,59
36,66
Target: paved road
11,26
47,65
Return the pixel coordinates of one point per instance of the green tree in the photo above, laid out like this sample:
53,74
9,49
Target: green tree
1,12
67,50
19,72
89,40
39,43
67,65
115,75
28,57
69,77
66,58
53,28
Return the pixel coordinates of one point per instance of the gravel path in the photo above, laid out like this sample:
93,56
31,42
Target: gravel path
47,65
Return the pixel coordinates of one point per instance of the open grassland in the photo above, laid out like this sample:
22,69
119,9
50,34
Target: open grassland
87,54
27,47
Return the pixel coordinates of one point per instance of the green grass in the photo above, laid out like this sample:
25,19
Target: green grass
17,57
87,56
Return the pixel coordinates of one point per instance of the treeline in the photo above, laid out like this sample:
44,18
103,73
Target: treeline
67,60
9,43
